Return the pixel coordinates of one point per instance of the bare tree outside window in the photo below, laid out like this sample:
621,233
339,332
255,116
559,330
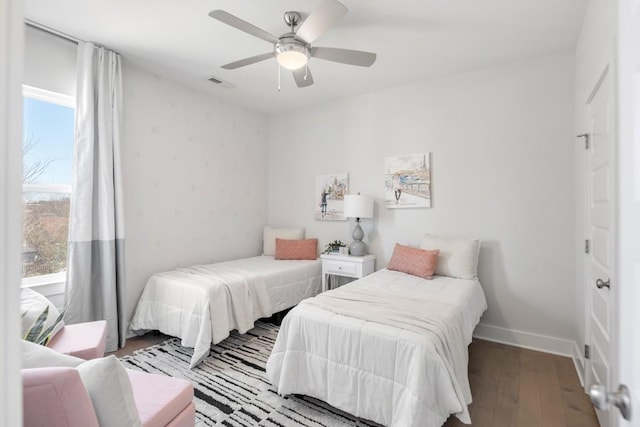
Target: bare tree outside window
45,219
32,169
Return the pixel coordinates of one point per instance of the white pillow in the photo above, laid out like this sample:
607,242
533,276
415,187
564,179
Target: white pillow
458,255
38,356
110,391
32,304
269,237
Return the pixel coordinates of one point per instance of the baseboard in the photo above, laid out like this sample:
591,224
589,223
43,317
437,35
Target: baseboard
578,362
528,340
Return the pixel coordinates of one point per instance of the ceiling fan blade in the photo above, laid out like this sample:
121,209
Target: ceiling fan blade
299,77
320,20
247,61
344,56
241,25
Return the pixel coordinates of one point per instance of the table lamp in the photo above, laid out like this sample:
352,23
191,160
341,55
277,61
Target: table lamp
358,206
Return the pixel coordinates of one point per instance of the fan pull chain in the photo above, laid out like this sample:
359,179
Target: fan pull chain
278,77
306,70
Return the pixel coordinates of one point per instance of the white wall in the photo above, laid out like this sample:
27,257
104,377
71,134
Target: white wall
502,170
195,167
195,178
49,62
594,50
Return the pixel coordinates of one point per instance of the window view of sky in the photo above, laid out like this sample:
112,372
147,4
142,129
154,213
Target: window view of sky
50,129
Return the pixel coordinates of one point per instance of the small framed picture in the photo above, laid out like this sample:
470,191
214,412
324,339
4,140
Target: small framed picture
343,250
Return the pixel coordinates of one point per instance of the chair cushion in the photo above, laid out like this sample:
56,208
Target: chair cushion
84,340
159,398
38,356
32,305
110,390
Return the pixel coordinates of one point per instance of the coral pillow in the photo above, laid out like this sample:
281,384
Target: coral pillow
270,234
414,261
296,249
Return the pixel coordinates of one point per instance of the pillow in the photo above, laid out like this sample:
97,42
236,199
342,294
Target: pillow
458,255
38,356
270,234
296,249
32,305
414,261
110,391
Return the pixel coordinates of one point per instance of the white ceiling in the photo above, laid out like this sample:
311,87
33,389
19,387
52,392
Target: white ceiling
414,40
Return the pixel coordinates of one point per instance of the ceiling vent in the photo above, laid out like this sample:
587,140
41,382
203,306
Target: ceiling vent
220,82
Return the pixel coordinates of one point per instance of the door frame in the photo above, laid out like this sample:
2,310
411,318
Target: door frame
11,55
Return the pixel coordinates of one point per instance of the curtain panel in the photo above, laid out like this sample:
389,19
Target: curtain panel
95,265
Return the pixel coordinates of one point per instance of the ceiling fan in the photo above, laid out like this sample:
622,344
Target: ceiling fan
293,50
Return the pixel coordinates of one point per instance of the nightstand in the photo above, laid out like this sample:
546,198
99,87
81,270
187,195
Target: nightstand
346,266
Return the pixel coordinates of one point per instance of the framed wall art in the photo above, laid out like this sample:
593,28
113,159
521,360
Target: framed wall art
330,190
408,181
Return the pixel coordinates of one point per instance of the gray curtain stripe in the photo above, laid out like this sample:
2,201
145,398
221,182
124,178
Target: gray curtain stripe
99,270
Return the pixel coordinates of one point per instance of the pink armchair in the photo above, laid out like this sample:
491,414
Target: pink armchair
56,397
84,340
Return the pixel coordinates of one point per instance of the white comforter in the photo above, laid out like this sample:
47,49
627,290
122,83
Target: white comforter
201,304
404,366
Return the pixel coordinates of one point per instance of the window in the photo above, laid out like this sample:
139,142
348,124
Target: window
46,190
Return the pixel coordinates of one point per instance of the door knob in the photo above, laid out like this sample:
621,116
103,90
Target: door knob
602,399
602,284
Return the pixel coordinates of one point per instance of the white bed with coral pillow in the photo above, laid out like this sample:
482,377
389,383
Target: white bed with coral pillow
203,303
390,347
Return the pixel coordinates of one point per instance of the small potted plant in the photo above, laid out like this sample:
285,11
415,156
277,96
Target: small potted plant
333,247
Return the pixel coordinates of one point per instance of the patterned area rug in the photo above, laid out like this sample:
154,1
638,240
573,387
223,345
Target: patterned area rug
231,388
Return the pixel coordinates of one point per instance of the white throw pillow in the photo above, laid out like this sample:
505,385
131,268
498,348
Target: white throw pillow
32,305
458,255
110,391
269,237
38,356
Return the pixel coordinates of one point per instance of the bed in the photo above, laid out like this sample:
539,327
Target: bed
201,304
390,347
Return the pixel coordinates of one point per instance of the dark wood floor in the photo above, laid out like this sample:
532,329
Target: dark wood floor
511,387
515,387
137,343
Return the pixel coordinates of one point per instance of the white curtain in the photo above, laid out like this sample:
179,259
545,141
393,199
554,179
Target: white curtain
95,265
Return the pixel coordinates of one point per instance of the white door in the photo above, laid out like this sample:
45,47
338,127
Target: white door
628,272
623,390
601,232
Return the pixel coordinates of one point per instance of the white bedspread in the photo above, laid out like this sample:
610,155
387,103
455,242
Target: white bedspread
202,304
400,359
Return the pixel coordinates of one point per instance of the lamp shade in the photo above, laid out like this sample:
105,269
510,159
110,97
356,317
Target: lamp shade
358,206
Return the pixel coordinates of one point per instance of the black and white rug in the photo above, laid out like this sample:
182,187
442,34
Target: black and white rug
231,388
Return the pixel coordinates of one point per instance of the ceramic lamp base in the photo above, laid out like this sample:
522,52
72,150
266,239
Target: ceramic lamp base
357,247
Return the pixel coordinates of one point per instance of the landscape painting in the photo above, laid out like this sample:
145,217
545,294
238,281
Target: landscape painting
330,190
408,181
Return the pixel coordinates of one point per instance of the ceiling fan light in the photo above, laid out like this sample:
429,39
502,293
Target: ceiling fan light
291,55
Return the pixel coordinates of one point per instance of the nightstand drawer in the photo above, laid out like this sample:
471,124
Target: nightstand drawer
354,267
339,267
